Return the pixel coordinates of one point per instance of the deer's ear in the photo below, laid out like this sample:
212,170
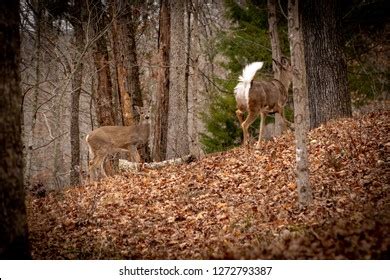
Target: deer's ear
138,109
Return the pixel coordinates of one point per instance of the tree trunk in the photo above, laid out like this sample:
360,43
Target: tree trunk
133,78
118,43
38,58
103,99
326,68
280,126
13,225
77,80
104,108
161,121
301,108
177,143
196,104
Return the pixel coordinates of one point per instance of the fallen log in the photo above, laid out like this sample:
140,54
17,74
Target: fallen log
125,165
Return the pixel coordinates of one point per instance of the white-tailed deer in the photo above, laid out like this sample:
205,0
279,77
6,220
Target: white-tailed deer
107,140
259,98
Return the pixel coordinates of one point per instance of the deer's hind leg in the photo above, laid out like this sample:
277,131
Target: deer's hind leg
262,123
245,126
101,163
95,164
240,116
92,169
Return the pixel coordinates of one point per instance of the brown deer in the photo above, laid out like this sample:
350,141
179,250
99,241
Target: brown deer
260,98
107,140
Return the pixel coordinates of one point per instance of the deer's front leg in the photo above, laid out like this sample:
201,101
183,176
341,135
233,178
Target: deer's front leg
287,123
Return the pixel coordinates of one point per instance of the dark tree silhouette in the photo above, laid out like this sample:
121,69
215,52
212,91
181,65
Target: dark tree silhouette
13,224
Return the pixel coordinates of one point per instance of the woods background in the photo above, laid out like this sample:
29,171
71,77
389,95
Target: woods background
88,63
78,65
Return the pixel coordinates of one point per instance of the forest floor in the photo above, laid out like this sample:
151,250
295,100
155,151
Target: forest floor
237,204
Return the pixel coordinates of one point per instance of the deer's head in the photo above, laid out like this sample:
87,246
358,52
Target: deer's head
144,113
285,71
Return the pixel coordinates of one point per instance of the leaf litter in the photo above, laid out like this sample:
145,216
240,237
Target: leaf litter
238,204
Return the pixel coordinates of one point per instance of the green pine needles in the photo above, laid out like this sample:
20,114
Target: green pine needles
247,41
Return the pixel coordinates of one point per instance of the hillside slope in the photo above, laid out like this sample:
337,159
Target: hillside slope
236,204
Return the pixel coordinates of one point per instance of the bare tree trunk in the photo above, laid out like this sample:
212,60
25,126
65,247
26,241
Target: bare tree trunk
187,71
104,108
38,58
161,122
103,100
301,108
134,77
329,97
119,41
58,163
13,225
280,126
194,108
177,143
77,80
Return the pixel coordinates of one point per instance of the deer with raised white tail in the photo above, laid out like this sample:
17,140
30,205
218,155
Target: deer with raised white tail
107,140
260,98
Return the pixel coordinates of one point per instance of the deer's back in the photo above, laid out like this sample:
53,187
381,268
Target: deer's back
266,96
119,136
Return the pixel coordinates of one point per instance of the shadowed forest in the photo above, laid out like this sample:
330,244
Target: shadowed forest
194,129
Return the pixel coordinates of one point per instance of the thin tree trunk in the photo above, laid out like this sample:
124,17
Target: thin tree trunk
301,108
329,97
187,71
77,80
280,126
58,163
38,58
161,122
13,225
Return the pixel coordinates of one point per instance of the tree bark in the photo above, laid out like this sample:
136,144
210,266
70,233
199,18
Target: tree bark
118,43
301,112
38,59
161,121
177,143
77,80
134,77
103,100
13,225
326,68
280,126
196,102
104,108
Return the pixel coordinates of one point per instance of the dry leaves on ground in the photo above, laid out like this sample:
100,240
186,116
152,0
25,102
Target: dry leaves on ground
235,204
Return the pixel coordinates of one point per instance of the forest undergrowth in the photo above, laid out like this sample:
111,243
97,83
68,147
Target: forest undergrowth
238,204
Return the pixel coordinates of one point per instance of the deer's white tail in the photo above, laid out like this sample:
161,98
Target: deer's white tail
242,88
